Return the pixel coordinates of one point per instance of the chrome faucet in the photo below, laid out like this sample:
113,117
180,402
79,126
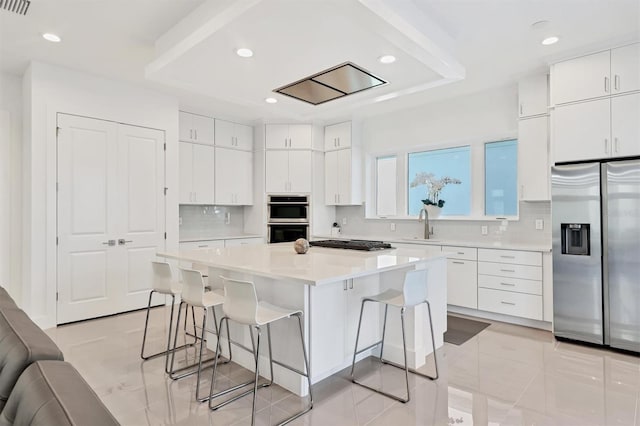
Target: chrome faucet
427,231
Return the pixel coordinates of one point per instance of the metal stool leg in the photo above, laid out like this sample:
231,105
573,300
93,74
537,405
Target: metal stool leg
204,324
404,351
257,376
384,329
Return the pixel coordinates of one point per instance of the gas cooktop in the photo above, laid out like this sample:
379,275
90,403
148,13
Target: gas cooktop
352,244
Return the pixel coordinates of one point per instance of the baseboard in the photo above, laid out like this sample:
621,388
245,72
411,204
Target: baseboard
526,322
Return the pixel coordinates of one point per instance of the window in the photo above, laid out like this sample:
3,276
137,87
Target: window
501,178
442,175
386,176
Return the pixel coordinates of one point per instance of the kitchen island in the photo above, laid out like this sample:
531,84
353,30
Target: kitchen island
328,285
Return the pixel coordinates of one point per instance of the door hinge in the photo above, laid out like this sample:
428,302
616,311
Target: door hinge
165,146
165,235
58,131
57,240
57,296
165,190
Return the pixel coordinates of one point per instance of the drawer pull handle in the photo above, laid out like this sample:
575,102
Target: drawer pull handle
508,257
460,252
204,245
507,270
508,303
509,284
458,263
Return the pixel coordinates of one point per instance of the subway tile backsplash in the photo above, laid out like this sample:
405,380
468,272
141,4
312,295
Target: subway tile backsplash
520,231
210,221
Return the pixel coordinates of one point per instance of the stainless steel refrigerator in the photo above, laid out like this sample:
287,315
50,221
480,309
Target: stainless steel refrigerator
596,253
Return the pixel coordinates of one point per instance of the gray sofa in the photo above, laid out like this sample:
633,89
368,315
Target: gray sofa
36,386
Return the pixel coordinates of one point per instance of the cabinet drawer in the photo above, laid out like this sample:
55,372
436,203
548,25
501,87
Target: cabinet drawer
532,258
510,270
510,303
464,253
243,242
510,284
193,245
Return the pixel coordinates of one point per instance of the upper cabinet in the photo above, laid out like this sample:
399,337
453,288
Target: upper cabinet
196,173
599,74
195,128
288,171
337,136
533,158
533,96
233,135
233,177
288,136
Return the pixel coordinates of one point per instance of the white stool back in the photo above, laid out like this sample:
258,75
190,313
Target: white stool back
162,277
415,287
241,301
193,287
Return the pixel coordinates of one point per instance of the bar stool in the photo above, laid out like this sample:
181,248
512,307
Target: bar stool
163,283
414,293
193,294
241,305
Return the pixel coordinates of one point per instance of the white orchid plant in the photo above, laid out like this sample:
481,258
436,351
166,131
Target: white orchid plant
434,187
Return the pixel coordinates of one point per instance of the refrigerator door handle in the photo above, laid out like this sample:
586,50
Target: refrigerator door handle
604,212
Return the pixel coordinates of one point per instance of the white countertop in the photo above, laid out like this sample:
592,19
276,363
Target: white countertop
192,239
502,245
318,266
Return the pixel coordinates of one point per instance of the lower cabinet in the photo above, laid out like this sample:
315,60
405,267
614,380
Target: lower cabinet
243,242
462,276
510,303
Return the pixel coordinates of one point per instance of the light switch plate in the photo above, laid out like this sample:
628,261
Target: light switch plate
485,230
344,220
539,224
392,226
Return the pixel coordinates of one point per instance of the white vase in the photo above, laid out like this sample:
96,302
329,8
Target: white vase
432,211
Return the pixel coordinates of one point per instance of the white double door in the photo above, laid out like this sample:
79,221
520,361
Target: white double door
111,215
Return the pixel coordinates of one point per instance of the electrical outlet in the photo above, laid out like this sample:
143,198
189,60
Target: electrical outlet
392,226
485,230
344,221
539,224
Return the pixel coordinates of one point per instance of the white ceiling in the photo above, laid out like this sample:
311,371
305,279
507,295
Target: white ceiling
186,47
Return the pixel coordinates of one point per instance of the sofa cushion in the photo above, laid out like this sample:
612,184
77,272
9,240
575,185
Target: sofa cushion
21,343
54,393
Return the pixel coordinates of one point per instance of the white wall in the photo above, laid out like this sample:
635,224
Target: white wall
49,90
10,182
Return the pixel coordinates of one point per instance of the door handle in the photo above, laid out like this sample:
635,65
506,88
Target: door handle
190,133
110,243
507,303
606,84
606,145
122,241
616,144
616,82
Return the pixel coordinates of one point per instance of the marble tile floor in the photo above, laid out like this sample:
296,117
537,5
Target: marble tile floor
505,375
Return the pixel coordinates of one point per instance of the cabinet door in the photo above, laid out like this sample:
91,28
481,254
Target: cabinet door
300,136
244,137
343,131
330,138
276,136
203,174
581,78
532,95
344,176
462,283
533,158
243,242
203,129
226,176
625,68
185,172
582,131
244,162
327,319
300,171
331,178
185,126
372,317
224,133
277,171
625,125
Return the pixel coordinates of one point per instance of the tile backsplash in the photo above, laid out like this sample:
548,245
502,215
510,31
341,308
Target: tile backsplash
517,231
210,221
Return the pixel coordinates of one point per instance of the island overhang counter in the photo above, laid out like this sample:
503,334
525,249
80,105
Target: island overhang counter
328,286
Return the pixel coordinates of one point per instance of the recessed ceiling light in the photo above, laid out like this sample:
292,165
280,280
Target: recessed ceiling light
387,59
550,40
271,100
52,37
244,52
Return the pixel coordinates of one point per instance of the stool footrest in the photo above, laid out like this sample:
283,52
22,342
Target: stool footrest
368,347
411,370
172,373
235,398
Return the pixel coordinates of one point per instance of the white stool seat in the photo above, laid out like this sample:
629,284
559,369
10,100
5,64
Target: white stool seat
212,298
389,297
176,289
267,313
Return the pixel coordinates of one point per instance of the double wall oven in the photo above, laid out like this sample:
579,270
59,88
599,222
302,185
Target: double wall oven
287,218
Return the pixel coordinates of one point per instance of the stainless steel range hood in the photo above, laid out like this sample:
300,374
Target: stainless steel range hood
334,83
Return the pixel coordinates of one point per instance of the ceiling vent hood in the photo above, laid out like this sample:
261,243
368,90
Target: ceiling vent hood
334,83
18,6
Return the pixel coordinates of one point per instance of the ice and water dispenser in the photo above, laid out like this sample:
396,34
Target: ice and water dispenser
576,238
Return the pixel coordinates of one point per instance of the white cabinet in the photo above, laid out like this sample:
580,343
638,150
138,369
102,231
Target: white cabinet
337,136
532,96
195,128
233,177
603,128
235,242
196,172
462,276
194,245
533,158
600,74
288,136
510,282
342,179
233,135
288,171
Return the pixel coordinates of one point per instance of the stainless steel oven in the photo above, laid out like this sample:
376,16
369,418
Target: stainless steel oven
284,232
288,209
